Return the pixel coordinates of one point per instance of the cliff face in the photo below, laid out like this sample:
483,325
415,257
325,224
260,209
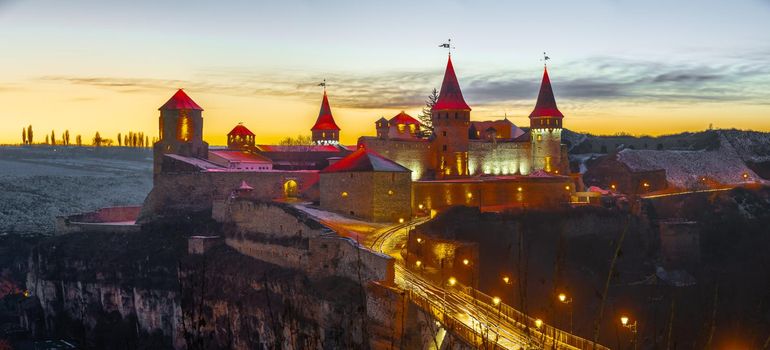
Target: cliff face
127,291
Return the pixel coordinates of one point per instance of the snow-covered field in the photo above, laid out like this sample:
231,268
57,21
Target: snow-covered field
39,183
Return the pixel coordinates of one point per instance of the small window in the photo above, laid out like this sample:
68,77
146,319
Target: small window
456,115
540,137
443,147
443,133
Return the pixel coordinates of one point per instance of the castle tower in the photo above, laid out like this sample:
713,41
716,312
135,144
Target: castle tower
325,131
240,138
382,127
451,118
181,130
545,124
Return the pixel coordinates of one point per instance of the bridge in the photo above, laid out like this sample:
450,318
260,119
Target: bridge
475,317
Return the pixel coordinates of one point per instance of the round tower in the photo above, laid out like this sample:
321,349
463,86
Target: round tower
545,124
325,130
451,118
181,130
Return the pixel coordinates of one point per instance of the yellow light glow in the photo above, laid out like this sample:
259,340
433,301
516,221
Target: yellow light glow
506,279
562,297
400,220
624,320
452,281
418,263
420,206
390,192
538,323
419,240
519,189
344,194
469,195
613,187
496,301
566,188
466,262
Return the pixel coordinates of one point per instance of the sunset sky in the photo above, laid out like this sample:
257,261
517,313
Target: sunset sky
642,67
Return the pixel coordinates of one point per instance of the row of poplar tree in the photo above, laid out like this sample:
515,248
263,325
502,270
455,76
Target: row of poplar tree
130,139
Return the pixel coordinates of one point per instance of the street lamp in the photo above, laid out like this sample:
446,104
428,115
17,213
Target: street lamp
506,280
419,240
496,301
630,326
418,263
538,323
566,300
452,281
466,262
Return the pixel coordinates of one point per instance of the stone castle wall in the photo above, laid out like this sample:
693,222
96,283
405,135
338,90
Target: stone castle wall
179,193
374,196
284,236
414,155
499,158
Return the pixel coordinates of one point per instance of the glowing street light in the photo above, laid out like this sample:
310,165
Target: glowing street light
506,280
452,281
400,220
466,262
496,301
419,240
624,321
566,187
418,263
519,189
563,298
420,206
538,323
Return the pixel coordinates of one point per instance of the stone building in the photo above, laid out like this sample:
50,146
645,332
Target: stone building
367,185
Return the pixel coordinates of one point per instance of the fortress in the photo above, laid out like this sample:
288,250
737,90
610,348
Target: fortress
407,169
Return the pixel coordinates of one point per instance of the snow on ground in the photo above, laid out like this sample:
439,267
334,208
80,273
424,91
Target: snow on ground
685,168
358,230
39,183
751,145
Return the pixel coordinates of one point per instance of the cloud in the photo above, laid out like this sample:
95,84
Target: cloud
587,82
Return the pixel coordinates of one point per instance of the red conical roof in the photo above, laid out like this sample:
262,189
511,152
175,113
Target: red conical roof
180,100
240,130
450,96
546,103
325,119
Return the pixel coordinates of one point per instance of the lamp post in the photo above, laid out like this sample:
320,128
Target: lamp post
631,326
567,300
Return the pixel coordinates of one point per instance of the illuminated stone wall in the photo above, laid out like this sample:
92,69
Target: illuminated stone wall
546,149
374,196
514,191
414,155
499,158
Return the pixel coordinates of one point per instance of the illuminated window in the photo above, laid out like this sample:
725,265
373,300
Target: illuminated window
160,127
323,135
184,126
540,137
401,127
548,163
412,128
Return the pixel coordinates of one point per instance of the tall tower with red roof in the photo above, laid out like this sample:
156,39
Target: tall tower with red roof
325,130
181,129
545,124
451,119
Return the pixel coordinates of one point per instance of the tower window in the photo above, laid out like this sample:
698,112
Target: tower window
184,126
443,133
540,137
443,147
456,116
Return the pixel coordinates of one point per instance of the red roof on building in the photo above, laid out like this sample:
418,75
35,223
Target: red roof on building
240,130
403,118
364,160
325,119
450,96
546,103
180,100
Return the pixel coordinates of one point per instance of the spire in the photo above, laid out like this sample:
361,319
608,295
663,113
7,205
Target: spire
546,103
180,100
325,119
450,96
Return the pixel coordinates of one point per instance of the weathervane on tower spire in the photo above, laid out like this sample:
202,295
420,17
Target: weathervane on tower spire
545,59
323,84
448,45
